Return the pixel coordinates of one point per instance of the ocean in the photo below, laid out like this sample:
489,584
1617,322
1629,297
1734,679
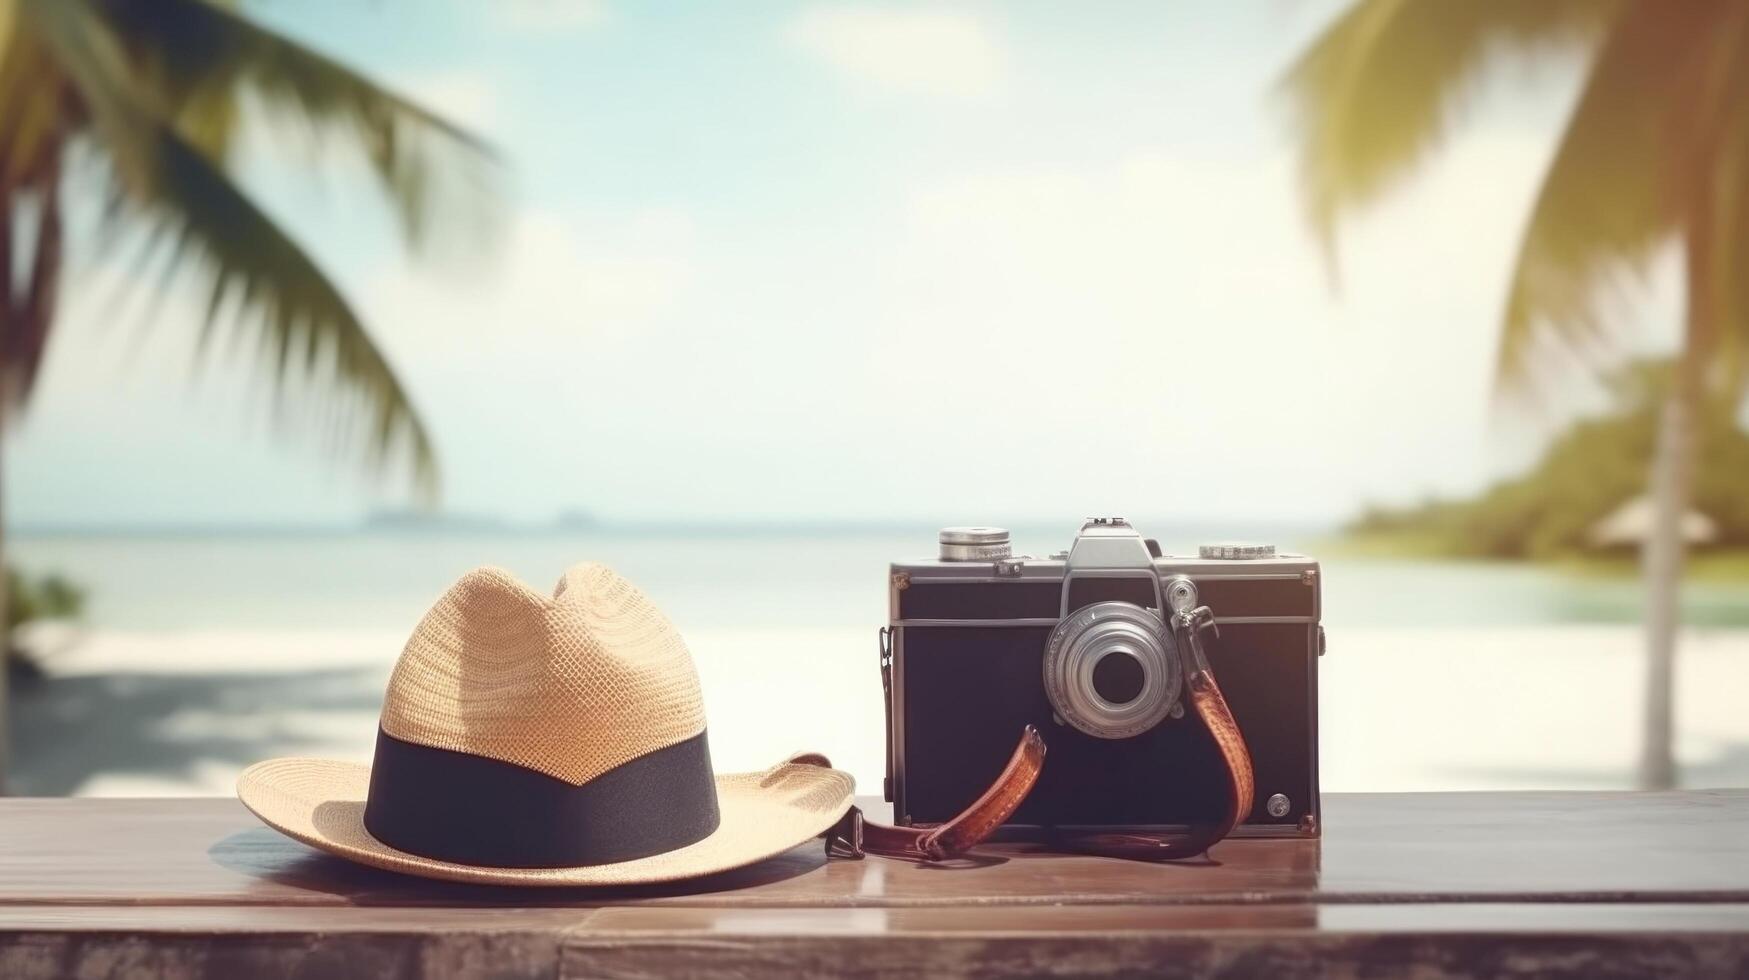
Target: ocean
716,578
203,652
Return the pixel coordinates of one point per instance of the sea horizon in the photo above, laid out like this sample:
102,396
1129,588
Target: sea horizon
744,574
398,521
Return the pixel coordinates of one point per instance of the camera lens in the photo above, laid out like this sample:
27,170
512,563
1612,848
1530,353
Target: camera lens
1118,677
1111,670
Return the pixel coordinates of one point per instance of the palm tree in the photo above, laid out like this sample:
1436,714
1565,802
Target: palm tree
1656,153
138,103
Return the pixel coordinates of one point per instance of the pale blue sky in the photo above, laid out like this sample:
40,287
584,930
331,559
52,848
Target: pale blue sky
849,261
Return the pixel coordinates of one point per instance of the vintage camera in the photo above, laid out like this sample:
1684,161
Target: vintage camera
974,652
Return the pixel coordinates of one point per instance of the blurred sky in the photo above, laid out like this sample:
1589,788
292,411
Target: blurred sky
848,261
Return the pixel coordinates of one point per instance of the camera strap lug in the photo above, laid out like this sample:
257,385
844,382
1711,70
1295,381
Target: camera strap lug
1189,627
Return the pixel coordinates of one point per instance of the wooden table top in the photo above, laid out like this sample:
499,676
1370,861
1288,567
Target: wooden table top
1446,883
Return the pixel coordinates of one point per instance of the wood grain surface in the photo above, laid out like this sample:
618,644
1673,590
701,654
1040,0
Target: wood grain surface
1564,884
1408,847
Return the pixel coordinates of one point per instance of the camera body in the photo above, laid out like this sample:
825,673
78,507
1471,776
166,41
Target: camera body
982,642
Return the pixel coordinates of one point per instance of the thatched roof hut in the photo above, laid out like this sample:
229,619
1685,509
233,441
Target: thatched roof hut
1631,524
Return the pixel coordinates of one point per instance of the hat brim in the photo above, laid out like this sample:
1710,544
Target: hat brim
321,803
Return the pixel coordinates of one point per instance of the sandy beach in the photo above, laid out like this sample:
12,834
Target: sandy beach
133,713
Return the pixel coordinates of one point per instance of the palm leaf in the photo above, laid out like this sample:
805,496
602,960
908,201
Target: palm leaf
198,58
1622,179
32,110
275,286
1378,89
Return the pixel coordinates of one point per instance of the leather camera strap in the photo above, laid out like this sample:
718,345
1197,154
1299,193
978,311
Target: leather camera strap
1211,706
854,836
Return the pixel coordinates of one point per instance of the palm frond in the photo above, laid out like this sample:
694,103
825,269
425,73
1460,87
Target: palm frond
209,118
1620,182
201,57
33,114
278,289
8,21
30,308
1379,88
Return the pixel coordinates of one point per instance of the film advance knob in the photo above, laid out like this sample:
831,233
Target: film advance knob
974,543
1234,551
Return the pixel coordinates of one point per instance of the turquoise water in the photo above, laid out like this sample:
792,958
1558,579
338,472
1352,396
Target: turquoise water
738,578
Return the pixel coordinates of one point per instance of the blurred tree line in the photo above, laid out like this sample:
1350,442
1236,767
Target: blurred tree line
30,598
1584,476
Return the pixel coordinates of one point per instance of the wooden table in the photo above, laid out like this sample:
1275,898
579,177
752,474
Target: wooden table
1550,884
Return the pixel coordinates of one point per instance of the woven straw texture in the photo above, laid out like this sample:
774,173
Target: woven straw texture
321,803
571,685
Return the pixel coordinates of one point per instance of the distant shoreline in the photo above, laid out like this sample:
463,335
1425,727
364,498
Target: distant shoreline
1063,530
1711,564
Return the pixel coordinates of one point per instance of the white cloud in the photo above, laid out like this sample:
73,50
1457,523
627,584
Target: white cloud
571,281
550,15
927,52
1163,319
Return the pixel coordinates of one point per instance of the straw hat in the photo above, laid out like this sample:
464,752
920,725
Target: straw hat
528,740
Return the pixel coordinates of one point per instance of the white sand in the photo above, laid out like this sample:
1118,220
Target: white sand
1550,707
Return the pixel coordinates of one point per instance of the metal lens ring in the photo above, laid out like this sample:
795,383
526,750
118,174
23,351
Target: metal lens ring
1073,675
